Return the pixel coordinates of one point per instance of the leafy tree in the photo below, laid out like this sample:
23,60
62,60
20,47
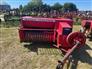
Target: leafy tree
34,5
21,8
46,8
57,6
37,2
69,7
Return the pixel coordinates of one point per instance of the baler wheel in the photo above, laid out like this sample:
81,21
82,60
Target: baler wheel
76,36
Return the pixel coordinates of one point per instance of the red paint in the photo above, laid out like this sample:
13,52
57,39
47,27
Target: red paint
84,23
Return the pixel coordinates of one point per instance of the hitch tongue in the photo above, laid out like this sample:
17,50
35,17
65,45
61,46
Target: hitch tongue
70,51
62,62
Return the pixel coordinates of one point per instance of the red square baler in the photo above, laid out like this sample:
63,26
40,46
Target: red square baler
45,30
57,31
86,28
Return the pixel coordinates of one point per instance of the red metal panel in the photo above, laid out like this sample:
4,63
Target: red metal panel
91,25
34,22
21,35
36,36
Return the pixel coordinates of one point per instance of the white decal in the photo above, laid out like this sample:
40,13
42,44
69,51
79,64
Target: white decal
38,19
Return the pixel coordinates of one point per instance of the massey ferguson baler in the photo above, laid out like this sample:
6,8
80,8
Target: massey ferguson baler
86,28
57,32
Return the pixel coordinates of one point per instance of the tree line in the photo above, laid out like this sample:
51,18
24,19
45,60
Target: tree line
37,6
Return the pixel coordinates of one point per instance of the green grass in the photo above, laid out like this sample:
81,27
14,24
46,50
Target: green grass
9,24
77,21
18,56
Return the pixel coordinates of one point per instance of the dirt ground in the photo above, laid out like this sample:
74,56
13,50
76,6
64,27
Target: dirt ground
16,55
